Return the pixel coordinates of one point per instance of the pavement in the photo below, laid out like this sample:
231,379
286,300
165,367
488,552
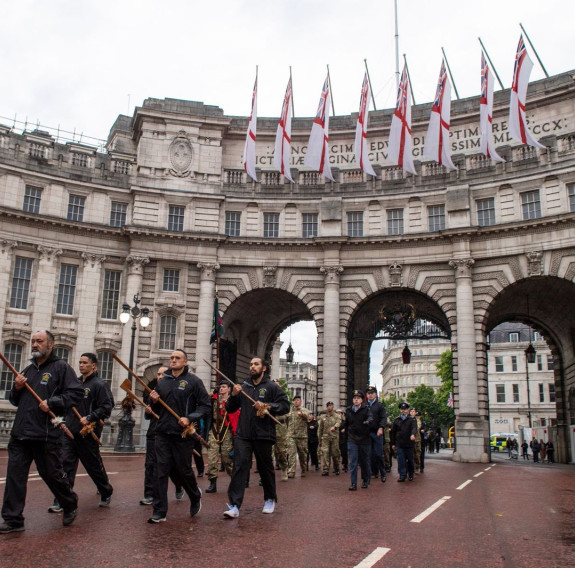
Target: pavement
503,514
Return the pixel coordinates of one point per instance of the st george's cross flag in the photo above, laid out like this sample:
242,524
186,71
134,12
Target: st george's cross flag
317,156
282,152
517,119
250,146
400,141
486,145
437,140
361,157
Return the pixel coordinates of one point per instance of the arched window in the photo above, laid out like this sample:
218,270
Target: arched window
12,352
168,329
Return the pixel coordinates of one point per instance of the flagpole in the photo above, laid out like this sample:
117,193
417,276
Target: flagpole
449,71
292,103
409,77
330,90
534,51
491,63
396,49
369,82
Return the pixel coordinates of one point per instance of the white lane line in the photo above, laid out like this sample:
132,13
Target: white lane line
464,484
36,477
373,558
488,468
430,510
478,474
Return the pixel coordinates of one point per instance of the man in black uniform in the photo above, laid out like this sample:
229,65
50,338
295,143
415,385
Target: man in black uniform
358,421
33,435
186,395
403,432
96,405
376,433
255,435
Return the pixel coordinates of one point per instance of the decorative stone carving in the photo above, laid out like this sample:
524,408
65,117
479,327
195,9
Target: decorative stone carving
208,269
332,273
7,246
48,253
270,278
180,154
395,275
535,265
137,263
462,266
92,259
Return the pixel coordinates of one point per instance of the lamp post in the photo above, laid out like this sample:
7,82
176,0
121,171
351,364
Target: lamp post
126,424
530,355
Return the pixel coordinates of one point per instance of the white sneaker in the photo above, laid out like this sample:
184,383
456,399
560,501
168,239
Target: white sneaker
232,513
269,506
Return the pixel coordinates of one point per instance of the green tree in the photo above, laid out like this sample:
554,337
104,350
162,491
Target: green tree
444,368
392,406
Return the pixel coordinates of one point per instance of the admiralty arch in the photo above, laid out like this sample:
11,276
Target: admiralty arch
166,211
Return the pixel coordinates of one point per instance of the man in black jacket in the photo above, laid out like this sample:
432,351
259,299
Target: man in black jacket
256,434
186,395
358,424
376,433
33,435
403,432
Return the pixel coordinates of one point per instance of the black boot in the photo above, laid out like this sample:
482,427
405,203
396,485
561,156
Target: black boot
213,486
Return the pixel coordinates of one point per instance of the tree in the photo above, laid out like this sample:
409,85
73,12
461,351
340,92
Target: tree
444,368
392,406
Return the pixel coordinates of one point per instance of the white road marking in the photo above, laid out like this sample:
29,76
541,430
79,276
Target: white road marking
464,484
373,558
430,510
478,474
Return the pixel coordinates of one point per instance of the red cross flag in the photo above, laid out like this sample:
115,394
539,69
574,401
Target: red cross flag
250,146
437,140
282,151
317,156
517,120
486,145
400,142
361,157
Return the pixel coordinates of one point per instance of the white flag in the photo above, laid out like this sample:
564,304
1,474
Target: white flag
486,145
282,151
250,146
361,157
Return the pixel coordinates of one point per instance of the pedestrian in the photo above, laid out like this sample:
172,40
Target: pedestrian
535,448
343,440
543,450
256,435
186,395
221,437
34,437
550,452
95,407
376,433
403,433
525,450
387,453
417,446
328,433
312,442
358,424
297,437
509,445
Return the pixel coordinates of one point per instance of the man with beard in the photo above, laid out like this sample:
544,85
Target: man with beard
33,435
256,434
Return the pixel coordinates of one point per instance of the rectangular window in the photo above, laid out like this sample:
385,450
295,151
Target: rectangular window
436,216
271,225
355,224
539,363
111,294
233,220
176,218
513,337
499,364
118,214
541,392
66,289
514,363
76,208
485,212
515,393
167,333
395,221
530,205
12,352
171,280
32,197
571,189
21,283
549,362
551,392
500,390
309,225
80,160
62,353
105,366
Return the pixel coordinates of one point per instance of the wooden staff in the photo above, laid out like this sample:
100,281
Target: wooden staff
266,411
189,430
126,386
55,421
88,428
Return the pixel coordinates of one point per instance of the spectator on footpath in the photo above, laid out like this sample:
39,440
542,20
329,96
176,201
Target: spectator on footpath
550,452
543,450
535,448
525,450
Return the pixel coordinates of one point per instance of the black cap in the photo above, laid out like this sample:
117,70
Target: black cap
404,405
358,393
297,396
371,388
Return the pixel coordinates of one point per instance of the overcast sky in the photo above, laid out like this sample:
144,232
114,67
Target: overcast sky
77,64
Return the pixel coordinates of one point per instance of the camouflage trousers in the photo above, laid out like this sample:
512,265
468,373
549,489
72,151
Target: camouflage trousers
297,447
330,450
215,450
280,452
417,455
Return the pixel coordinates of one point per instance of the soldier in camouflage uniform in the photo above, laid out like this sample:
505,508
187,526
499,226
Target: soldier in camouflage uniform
417,449
387,447
280,447
297,437
328,434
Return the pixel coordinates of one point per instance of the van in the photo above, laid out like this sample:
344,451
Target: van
498,442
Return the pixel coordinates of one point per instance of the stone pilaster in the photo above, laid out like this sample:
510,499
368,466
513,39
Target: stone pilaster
45,297
275,362
6,252
205,316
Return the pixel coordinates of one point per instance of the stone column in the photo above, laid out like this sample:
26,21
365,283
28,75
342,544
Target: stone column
46,287
205,316
6,250
331,352
275,362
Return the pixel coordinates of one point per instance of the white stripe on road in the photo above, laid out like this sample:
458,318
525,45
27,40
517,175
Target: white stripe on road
36,477
478,474
373,558
464,484
429,510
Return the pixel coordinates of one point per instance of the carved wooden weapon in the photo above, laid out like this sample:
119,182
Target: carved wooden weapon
57,422
264,411
126,386
88,428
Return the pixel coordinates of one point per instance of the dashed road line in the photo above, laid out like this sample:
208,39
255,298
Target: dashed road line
373,558
430,510
478,474
464,484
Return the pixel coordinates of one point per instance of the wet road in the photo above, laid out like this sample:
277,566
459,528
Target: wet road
502,514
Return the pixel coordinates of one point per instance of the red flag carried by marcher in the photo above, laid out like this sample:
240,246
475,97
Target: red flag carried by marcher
437,139
486,145
250,146
517,120
317,156
361,157
282,151
400,141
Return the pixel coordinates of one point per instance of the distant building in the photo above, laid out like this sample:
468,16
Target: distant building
301,379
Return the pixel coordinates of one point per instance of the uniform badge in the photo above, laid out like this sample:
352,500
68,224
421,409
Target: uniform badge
262,393
45,378
182,385
86,392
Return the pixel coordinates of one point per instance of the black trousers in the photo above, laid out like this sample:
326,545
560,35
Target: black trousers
150,470
174,459
87,451
47,457
243,450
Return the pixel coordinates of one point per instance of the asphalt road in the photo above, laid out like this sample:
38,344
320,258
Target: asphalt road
503,514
